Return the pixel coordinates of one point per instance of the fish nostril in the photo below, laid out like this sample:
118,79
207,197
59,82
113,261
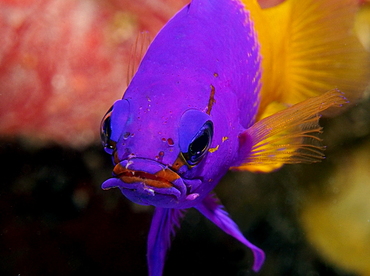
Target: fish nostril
160,156
170,142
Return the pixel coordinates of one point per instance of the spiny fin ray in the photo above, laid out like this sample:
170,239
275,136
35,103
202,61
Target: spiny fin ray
137,53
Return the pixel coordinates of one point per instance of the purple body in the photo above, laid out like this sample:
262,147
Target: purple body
176,131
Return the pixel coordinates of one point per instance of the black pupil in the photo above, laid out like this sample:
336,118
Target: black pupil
199,146
106,131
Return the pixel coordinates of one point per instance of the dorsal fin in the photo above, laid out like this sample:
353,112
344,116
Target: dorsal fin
138,51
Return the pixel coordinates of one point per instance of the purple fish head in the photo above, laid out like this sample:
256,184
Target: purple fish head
165,170
175,132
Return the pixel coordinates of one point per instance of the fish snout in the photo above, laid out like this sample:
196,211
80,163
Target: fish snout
148,182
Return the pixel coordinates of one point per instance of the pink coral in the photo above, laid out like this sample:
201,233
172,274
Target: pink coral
63,62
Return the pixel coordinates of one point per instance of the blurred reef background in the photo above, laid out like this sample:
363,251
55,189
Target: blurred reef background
62,64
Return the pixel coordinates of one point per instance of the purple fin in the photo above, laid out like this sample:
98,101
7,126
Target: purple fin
161,230
213,210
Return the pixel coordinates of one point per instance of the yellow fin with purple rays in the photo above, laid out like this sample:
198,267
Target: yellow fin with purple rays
289,136
309,47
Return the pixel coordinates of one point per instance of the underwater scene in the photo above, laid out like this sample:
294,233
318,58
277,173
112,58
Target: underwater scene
202,137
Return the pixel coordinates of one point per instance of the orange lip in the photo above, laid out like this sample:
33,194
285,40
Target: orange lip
161,179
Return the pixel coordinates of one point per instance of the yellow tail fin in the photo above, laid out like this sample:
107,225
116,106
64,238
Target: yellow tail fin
309,47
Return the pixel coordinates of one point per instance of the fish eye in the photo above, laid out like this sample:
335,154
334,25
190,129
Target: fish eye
200,144
106,132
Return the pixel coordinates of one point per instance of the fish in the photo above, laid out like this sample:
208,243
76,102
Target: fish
199,105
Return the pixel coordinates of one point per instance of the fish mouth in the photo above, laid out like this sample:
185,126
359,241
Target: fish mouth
161,179
148,182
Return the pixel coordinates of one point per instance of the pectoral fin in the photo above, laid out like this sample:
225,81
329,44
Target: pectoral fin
288,136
